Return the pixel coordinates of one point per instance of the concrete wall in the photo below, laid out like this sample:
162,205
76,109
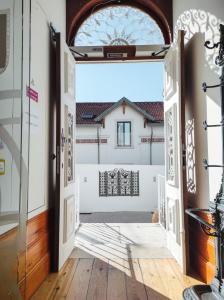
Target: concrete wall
89,189
138,153
42,13
200,19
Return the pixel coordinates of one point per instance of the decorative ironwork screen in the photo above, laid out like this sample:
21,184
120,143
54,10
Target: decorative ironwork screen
118,183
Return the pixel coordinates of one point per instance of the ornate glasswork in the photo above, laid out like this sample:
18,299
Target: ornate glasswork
119,25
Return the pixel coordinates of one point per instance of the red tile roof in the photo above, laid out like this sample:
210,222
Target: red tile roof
97,108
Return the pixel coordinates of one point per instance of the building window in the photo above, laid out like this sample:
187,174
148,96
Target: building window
119,25
124,134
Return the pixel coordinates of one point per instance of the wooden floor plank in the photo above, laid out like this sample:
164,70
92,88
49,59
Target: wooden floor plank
64,285
98,283
185,280
116,284
154,285
174,289
134,283
133,279
50,286
46,289
80,281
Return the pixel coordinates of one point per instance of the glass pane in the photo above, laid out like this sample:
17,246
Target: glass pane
127,134
120,134
12,238
119,25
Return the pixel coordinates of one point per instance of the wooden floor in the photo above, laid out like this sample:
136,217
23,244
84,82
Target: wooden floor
133,279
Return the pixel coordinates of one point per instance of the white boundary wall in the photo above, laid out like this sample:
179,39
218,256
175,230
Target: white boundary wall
89,189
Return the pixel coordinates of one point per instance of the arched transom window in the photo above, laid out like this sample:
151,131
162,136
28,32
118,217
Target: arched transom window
119,25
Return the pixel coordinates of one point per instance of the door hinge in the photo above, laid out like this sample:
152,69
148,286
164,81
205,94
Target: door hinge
184,154
58,158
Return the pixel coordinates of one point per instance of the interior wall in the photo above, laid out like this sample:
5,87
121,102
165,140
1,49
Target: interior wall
200,20
42,14
90,201
14,137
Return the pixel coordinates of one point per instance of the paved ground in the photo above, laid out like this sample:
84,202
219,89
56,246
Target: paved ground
117,217
120,241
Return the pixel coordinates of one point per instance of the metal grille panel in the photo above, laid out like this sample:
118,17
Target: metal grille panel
118,183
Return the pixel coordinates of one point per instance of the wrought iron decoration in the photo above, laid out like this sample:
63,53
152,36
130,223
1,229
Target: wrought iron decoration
216,207
118,183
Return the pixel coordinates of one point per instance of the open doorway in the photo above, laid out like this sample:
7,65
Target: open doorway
121,180
119,139
120,158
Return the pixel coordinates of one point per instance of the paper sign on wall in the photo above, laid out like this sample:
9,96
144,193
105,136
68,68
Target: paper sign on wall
32,94
2,167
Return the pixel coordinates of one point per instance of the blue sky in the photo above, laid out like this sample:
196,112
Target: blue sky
142,81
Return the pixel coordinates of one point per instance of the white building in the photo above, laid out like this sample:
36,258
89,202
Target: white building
122,132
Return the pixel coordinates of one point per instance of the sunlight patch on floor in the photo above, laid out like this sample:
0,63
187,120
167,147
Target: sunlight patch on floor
120,242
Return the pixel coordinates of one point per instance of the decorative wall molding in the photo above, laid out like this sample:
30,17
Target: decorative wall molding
91,141
148,140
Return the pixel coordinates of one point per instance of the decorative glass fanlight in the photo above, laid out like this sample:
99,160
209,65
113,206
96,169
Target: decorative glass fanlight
119,25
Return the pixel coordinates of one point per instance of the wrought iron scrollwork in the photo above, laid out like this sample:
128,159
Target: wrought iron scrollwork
118,183
220,58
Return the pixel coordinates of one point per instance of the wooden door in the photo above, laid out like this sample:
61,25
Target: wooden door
65,146
175,141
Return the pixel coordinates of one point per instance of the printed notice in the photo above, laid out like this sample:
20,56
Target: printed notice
2,167
33,112
32,94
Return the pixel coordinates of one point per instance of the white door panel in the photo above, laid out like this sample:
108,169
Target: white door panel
173,106
66,118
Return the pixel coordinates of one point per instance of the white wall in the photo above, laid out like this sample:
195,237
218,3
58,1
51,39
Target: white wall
89,189
42,13
200,20
13,137
138,153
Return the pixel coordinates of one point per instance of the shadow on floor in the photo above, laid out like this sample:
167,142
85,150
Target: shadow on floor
116,217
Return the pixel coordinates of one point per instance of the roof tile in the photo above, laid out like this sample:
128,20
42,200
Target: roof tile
97,108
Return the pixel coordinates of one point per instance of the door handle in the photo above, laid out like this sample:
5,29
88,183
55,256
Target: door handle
53,156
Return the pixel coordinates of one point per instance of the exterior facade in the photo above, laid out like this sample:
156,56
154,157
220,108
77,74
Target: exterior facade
120,133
